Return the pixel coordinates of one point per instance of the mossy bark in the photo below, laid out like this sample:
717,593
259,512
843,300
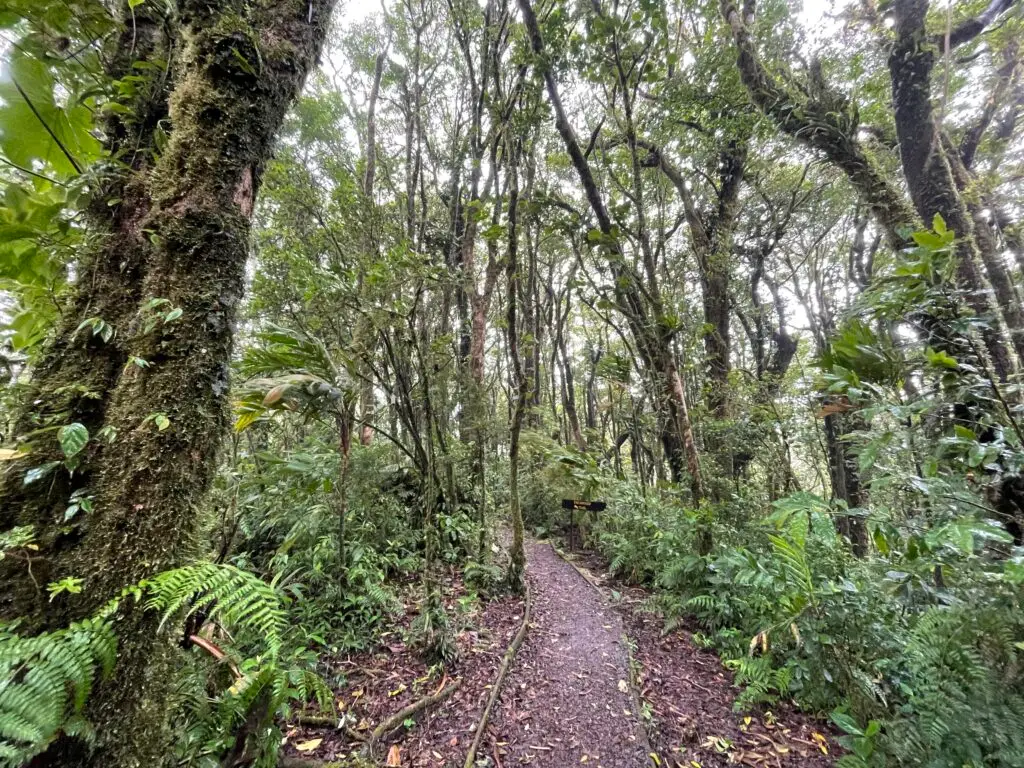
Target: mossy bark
240,67
78,367
517,563
928,172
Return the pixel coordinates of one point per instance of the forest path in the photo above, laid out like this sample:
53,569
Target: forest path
567,701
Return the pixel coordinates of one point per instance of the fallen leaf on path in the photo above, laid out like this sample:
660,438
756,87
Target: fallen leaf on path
394,757
308,746
822,743
623,686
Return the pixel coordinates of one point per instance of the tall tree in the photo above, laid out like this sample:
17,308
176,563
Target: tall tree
183,223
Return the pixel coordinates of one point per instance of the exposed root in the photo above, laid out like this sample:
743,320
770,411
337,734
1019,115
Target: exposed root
506,665
396,720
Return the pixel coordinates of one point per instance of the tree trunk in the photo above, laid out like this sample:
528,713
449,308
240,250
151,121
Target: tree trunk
365,333
517,564
845,481
80,366
927,169
239,69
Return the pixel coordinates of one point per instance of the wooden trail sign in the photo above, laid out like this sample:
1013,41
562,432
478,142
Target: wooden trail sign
588,506
583,506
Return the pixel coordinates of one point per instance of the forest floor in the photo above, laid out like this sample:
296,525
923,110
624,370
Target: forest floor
569,700
688,697
596,683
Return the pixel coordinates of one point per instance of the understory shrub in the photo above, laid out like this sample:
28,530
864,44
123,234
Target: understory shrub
917,653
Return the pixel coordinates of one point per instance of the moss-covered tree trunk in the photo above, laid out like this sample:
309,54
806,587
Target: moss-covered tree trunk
928,173
239,67
521,384
81,364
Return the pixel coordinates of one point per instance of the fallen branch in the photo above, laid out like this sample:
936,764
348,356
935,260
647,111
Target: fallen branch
506,664
401,715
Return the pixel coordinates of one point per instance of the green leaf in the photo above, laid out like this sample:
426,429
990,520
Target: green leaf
881,543
846,723
963,432
38,473
940,359
72,438
34,130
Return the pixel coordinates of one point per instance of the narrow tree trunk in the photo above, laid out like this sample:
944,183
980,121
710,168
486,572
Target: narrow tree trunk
365,334
517,564
845,481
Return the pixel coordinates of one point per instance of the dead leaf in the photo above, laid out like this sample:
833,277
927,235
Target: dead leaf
308,746
623,686
394,757
275,394
822,742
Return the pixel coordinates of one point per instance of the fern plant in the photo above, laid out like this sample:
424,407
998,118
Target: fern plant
45,680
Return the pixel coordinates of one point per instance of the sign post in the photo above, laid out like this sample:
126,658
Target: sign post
585,506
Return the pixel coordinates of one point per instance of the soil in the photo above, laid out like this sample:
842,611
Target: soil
375,684
689,697
568,700
597,683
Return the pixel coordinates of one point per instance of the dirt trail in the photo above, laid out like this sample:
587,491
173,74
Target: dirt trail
567,701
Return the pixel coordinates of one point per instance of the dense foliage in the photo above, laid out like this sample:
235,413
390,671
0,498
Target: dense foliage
752,275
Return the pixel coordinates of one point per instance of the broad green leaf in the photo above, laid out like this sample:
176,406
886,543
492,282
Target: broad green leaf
34,129
73,438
